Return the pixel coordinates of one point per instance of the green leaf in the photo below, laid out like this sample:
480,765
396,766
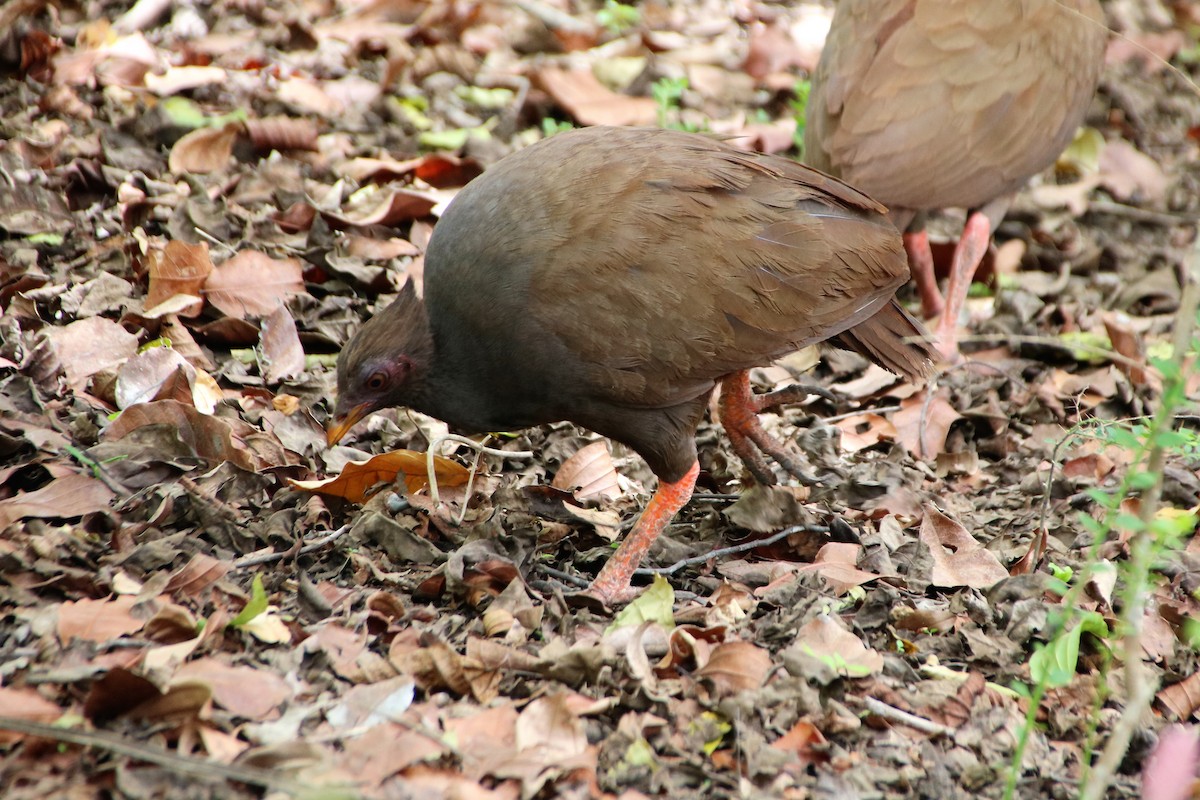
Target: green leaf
656,604
256,605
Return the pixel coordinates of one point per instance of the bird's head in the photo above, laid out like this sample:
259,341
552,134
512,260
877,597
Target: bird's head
383,363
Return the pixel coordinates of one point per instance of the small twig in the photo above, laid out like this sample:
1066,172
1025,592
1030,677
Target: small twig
182,765
98,471
436,442
267,558
882,709
731,550
565,577
552,18
1101,206
860,412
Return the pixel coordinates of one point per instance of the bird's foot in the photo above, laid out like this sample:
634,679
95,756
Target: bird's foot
739,409
603,599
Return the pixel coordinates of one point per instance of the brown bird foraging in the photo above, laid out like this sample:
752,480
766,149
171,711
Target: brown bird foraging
612,277
925,104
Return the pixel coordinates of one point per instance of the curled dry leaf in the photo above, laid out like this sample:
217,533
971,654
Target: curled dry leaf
736,667
923,423
592,103
88,346
178,268
361,479
281,348
282,133
212,439
377,205
826,640
958,560
1183,698
589,474
439,170
204,150
62,498
252,284
97,620
162,373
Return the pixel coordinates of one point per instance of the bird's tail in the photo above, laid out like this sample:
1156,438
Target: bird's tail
894,340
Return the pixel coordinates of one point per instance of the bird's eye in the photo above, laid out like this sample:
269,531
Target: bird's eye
377,381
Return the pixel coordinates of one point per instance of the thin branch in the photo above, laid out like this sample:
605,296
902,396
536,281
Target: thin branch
267,558
882,709
731,550
182,765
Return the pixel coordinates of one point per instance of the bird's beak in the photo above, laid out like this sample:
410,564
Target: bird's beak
341,424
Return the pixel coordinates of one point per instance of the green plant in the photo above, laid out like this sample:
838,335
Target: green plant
668,96
799,104
1151,530
618,17
551,126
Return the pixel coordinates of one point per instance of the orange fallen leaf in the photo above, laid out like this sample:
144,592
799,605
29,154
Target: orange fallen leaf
358,480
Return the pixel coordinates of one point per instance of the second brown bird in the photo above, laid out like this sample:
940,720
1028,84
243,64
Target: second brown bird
926,104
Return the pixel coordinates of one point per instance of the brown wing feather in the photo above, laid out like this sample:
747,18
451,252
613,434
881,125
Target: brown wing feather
930,103
702,260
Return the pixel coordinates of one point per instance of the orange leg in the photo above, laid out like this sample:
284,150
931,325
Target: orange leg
611,586
920,261
739,409
976,235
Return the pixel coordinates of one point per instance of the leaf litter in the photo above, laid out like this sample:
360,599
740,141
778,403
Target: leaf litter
209,201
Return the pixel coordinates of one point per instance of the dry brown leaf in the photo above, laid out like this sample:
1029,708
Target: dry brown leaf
204,150
958,560
1131,174
439,170
825,639
589,474
281,348
178,268
922,427
358,480
1181,699
804,740
1127,342
383,205
88,346
837,563
590,102
197,575
25,704
62,498
210,438
97,620
144,377
176,79
736,667
252,284
245,691
865,430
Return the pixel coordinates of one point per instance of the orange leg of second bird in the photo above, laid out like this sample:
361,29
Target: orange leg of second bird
972,246
611,585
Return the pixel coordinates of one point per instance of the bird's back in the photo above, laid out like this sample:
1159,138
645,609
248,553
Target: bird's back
930,103
634,267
